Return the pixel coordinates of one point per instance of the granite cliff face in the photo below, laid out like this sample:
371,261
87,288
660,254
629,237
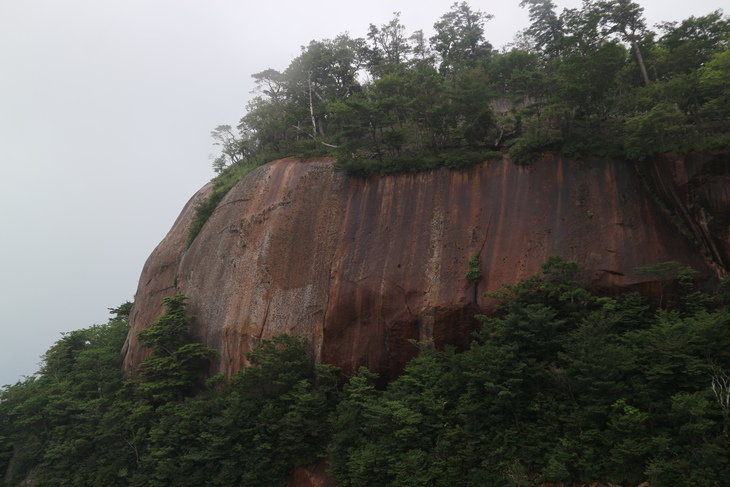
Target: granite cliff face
360,267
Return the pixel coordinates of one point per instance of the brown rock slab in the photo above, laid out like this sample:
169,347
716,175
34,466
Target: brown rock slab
365,267
312,476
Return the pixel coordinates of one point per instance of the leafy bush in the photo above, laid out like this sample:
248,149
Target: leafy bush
525,150
474,274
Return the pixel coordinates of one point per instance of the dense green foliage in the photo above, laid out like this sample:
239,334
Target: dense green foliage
62,425
177,364
589,81
223,183
78,422
566,386
474,274
594,81
563,386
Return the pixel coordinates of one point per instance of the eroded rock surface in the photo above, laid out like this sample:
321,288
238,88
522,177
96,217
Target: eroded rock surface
361,267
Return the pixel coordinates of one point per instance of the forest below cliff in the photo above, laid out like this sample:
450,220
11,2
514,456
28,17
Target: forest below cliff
562,386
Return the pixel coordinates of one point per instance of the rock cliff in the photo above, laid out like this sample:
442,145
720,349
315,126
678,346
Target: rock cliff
360,267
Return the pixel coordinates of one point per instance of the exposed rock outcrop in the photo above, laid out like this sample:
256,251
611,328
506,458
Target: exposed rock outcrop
695,189
360,267
312,476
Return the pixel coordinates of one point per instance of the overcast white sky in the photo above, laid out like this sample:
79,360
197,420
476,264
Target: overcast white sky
106,109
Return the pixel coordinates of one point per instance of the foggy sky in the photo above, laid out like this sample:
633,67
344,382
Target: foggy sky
106,109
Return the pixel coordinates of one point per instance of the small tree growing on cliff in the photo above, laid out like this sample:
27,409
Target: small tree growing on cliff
474,274
177,362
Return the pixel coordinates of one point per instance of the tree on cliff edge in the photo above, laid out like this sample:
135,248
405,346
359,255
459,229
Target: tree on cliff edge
623,17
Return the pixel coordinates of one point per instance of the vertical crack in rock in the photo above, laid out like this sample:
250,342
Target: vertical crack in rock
483,258
405,297
266,316
325,308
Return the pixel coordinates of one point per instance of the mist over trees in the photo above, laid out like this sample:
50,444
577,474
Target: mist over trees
590,81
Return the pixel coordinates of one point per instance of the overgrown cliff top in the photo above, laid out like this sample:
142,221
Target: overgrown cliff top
590,81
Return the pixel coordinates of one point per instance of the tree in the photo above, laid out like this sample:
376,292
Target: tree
721,389
558,286
272,418
54,423
420,48
426,108
590,64
459,39
665,273
177,361
624,18
713,85
270,126
662,129
353,454
474,273
691,43
546,27
389,47
231,147
271,83
325,72
276,365
723,291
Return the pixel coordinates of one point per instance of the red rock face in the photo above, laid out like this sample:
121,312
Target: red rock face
312,476
363,268
158,279
696,189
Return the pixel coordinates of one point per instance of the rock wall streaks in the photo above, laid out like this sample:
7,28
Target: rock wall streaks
363,268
